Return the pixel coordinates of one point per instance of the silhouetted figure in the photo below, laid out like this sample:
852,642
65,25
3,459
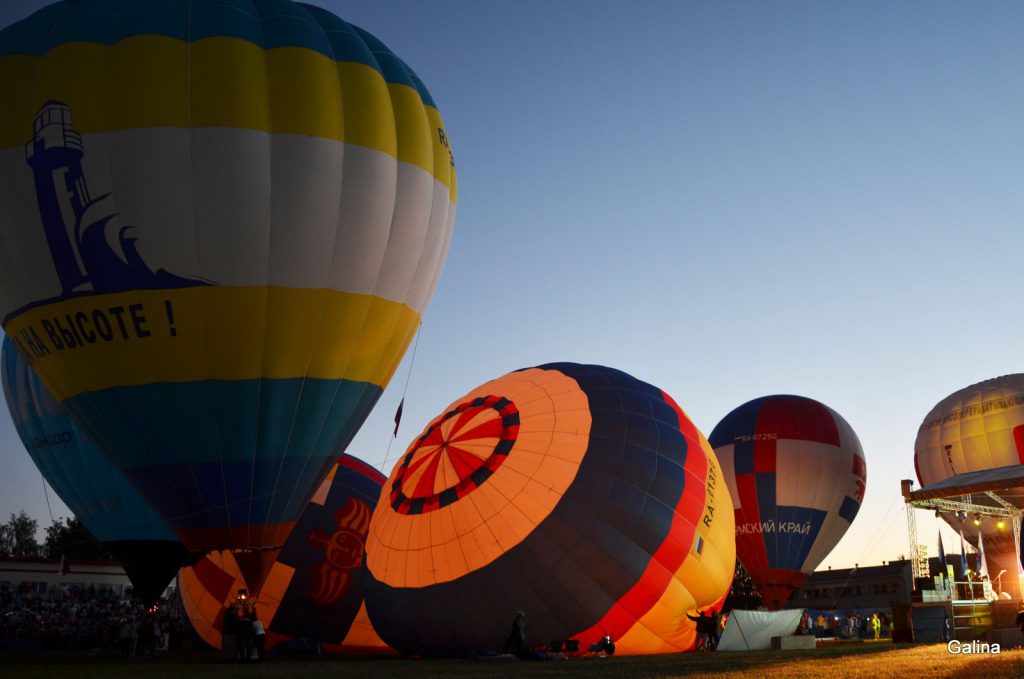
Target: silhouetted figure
703,621
516,642
604,645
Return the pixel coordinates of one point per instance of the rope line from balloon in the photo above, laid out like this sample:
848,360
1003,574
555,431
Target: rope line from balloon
405,389
878,534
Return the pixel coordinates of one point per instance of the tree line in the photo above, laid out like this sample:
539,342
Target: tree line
66,538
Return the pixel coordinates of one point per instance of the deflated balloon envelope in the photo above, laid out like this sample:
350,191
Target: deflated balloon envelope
98,494
796,474
978,427
575,493
314,592
220,225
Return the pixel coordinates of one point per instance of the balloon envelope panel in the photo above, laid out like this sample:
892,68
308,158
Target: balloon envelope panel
796,473
314,590
575,493
975,428
220,224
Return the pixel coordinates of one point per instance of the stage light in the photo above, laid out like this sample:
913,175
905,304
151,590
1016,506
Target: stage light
1000,524
977,520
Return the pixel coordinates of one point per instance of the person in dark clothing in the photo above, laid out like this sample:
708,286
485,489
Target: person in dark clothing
716,628
516,642
703,630
604,645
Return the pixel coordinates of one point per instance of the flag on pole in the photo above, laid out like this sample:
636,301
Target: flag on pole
963,556
942,555
398,416
982,566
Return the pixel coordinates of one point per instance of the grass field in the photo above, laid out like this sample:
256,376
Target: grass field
869,660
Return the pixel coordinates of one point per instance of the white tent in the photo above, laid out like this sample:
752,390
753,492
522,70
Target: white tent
753,630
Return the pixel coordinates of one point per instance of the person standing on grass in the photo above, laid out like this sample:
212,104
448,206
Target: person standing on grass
703,630
260,636
716,628
516,642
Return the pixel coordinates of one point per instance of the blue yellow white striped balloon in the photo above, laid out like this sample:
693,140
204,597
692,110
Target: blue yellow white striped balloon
220,225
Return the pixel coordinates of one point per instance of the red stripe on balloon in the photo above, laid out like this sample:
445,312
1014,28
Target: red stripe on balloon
361,467
489,429
765,456
792,417
214,580
464,463
753,552
672,552
425,486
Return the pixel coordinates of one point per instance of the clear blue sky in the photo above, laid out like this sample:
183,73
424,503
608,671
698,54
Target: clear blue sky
724,199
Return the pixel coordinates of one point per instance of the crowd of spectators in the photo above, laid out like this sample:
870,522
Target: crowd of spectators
847,625
93,618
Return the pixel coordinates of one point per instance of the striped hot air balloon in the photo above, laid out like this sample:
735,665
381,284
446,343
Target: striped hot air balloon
575,493
220,225
796,474
314,591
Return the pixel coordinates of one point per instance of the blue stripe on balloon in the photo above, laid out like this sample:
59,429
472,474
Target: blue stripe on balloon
214,420
743,457
198,448
789,548
739,422
765,485
267,23
204,495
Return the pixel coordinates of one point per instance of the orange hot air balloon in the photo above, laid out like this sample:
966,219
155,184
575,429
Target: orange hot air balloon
575,493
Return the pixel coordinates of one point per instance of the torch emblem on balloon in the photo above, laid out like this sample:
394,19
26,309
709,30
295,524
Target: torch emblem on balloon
343,552
75,223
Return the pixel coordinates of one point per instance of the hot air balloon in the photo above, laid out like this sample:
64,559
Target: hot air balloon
220,225
99,495
795,470
575,493
976,428
314,592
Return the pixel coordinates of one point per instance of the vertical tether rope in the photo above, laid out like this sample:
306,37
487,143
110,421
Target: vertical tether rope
47,496
408,376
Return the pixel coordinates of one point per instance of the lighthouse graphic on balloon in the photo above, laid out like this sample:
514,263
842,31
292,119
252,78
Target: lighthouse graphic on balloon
91,251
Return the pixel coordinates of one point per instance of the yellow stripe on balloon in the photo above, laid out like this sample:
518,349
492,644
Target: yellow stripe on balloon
444,157
157,81
212,332
149,81
19,108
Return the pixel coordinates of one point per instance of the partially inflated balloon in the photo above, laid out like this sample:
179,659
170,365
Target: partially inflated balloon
575,493
98,494
314,591
975,428
220,224
796,473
